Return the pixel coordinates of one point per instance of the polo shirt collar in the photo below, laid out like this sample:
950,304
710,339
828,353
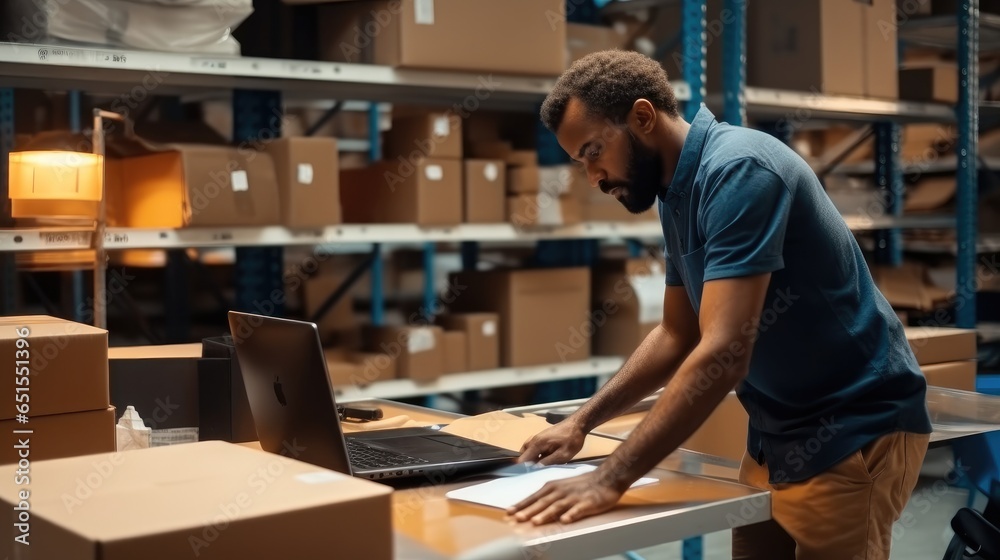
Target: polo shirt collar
687,164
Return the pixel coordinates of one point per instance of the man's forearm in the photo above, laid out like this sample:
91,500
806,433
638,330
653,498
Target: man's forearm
646,370
685,404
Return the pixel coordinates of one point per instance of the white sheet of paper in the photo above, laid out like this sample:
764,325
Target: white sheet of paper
505,492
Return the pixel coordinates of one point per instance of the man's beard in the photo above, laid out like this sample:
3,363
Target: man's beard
644,173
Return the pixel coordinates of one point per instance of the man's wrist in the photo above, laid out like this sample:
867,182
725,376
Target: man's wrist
614,475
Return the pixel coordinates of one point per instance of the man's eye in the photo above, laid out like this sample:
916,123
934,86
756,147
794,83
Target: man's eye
594,154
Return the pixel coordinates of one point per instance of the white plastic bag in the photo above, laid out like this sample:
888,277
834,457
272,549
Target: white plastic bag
184,26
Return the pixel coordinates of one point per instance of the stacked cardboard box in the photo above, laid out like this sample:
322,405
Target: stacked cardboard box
627,304
419,180
419,352
480,334
542,196
946,356
347,367
59,390
544,314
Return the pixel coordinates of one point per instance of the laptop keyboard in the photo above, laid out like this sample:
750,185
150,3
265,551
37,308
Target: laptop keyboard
364,456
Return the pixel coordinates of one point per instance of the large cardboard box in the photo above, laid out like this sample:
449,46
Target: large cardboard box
418,351
544,313
482,337
58,366
935,345
350,368
55,436
456,356
502,149
308,181
583,39
161,382
511,37
627,304
543,209
192,185
214,501
937,83
908,286
724,433
427,192
953,375
839,47
430,135
484,191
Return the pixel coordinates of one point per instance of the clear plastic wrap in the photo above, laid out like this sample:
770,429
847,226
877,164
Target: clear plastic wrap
182,26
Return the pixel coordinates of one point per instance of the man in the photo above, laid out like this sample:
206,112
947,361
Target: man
838,419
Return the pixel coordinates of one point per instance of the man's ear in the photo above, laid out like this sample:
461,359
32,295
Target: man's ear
642,117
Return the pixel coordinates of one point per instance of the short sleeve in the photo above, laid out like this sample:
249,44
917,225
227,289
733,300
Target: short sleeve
743,219
673,277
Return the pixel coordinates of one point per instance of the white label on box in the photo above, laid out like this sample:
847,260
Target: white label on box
424,12
549,210
491,172
441,127
240,181
649,291
434,172
490,328
305,173
420,340
320,477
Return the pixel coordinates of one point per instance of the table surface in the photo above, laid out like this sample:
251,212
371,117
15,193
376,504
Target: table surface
429,525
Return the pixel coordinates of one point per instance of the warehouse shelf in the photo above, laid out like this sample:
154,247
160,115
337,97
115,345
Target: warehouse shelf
943,164
940,32
59,239
796,108
140,73
503,377
985,244
869,223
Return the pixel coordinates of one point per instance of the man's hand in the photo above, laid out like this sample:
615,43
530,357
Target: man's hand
568,500
555,445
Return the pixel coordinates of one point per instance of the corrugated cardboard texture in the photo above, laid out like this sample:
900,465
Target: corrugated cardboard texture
61,435
482,332
224,501
953,375
428,193
935,345
194,185
308,181
544,314
484,191
433,135
456,352
424,364
513,37
161,382
67,369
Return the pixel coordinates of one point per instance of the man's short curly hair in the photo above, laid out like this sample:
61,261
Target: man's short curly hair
609,83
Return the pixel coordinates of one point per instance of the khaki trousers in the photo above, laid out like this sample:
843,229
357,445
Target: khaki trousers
844,513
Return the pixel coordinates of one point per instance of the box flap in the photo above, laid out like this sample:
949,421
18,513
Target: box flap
44,325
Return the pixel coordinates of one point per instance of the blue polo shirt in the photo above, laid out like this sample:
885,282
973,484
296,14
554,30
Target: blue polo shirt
831,369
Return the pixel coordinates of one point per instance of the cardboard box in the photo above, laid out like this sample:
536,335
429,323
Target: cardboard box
427,192
582,39
347,367
419,351
316,288
908,286
502,149
61,435
308,181
341,370
199,185
481,335
834,47
935,345
484,191
524,180
432,135
936,83
62,366
627,304
542,209
456,354
375,366
724,433
544,314
161,382
513,37
224,501
953,375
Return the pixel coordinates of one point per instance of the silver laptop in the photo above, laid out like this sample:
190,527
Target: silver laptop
295,411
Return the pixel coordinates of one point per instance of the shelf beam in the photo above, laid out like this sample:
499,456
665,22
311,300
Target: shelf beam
967,115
